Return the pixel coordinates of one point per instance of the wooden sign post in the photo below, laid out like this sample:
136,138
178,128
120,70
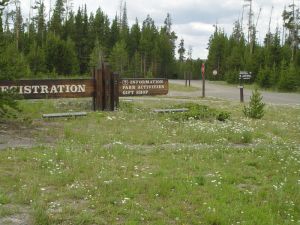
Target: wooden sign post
105,88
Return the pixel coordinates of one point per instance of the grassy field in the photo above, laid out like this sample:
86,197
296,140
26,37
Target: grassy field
137,167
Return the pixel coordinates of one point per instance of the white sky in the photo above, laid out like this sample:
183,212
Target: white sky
193,20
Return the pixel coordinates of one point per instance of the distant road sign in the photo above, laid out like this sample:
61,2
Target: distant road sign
203,69
245,75
215,72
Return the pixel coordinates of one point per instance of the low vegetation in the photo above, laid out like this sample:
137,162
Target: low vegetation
199,112
134,166
255,109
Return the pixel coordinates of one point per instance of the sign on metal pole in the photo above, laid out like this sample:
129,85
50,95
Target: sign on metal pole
244,75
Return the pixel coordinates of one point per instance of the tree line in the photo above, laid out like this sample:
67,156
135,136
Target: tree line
274,64
66,42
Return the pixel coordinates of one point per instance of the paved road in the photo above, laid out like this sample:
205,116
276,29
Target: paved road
232,93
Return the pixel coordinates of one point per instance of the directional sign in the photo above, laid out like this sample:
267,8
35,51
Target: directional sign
203,69
245,75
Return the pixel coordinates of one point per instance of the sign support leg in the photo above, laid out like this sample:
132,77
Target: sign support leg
242,93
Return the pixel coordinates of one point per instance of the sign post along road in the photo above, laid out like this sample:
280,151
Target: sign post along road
243,75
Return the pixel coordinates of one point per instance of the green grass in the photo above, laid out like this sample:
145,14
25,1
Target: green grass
137,167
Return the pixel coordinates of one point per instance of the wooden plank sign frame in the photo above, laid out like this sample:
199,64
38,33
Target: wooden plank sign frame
105,88
43,89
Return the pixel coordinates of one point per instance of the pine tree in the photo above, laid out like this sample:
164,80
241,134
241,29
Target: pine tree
69,28
124,25
40,21
181,51
119,58
217,54
8,56
13,64
18,25
264,77
291,20
100,30
57,18
97,55
147,43
83,47
36,59
288,77
135,65
61,56
115,33
255,109
134,39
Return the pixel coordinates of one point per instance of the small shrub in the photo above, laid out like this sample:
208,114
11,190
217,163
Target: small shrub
255,109
195,111
3,198
200,180
245,137
223,116
199,112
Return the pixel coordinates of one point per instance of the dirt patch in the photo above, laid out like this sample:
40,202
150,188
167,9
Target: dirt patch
18,135
21,217
17,219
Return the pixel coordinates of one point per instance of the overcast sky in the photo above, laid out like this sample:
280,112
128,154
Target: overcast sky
193,20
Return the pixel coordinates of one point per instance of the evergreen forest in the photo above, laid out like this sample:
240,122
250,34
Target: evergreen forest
64,42
274,64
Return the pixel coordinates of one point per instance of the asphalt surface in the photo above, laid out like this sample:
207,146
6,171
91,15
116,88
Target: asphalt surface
233,93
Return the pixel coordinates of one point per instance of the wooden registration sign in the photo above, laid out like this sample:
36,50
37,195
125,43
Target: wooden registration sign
105,88
142,87
43,89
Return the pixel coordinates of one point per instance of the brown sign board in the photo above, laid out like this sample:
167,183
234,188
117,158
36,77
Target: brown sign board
143,87
105,88
48,88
